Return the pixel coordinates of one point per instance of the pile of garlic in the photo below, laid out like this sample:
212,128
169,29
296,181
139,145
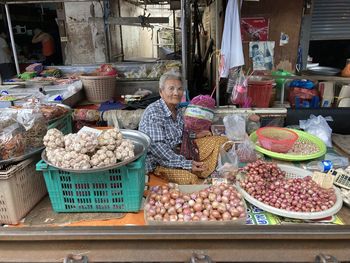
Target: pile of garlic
84,142
54,139
86,150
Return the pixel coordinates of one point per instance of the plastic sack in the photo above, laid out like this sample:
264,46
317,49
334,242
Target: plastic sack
143,92
235,127
50,111
337,160
72,89
240,89
12,142
319,127
227,161
246,152
7,118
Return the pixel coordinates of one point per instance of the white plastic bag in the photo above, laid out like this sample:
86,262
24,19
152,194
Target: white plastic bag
235,127
227,161
319,127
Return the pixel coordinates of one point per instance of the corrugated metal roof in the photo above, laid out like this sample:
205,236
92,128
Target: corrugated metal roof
330,20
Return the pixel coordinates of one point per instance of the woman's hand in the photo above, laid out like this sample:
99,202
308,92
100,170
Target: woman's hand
202,134
198,166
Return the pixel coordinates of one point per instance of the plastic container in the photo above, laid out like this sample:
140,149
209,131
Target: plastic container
260,91
276,139
99,88
114,190
281,74
63,124
21,188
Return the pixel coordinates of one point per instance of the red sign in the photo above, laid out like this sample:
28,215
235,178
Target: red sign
255,29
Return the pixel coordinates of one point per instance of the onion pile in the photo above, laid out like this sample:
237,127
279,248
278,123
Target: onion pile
268,184
216,203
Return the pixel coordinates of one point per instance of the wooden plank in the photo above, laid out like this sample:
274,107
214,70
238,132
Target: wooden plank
172,250
284,16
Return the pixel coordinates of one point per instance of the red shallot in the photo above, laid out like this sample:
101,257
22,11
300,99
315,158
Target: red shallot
216,203
268,184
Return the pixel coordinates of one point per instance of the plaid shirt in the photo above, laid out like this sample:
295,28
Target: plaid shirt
166,134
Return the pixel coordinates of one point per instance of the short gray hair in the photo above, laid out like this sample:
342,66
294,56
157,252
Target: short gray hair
169,75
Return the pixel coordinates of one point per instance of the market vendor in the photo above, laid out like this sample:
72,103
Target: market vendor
163,122
47,46
7,69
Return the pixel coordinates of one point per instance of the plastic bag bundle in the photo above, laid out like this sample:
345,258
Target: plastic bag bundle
235,127
11,142
227,161
240,89
245,152
319,127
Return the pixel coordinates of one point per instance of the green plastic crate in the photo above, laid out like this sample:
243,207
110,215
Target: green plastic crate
115,190
63,124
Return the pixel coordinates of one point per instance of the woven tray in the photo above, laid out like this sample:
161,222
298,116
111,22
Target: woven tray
342,141
303,136
294,172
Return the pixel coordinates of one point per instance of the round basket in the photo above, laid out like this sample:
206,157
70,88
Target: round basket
303,137
276,139
99,88
294,172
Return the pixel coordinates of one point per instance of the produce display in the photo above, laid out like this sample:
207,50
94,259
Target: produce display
34,136
12,142
21,132
86,150
8,98
268,184
303,147
216,203
49,111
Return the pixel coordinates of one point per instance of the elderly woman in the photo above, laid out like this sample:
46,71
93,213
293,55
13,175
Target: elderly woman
163,122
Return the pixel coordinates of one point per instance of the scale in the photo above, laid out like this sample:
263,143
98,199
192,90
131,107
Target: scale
342,178
281,82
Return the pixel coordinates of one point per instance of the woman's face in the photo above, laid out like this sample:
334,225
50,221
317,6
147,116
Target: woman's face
172,92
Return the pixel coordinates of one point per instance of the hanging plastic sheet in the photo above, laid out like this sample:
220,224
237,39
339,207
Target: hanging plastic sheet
231,45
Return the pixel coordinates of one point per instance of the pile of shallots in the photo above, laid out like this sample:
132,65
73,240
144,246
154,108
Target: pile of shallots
268,184
216,203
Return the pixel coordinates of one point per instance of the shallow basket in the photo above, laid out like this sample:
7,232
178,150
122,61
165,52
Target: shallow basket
192,189
303,136
294,172
115,190
276,139
99,88
21,188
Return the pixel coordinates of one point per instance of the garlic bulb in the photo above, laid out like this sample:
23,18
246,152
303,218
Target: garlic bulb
103,157
74,160
55,156
125,150
54,139
111,138
84,142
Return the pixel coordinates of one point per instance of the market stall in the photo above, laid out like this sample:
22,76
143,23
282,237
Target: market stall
275,194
